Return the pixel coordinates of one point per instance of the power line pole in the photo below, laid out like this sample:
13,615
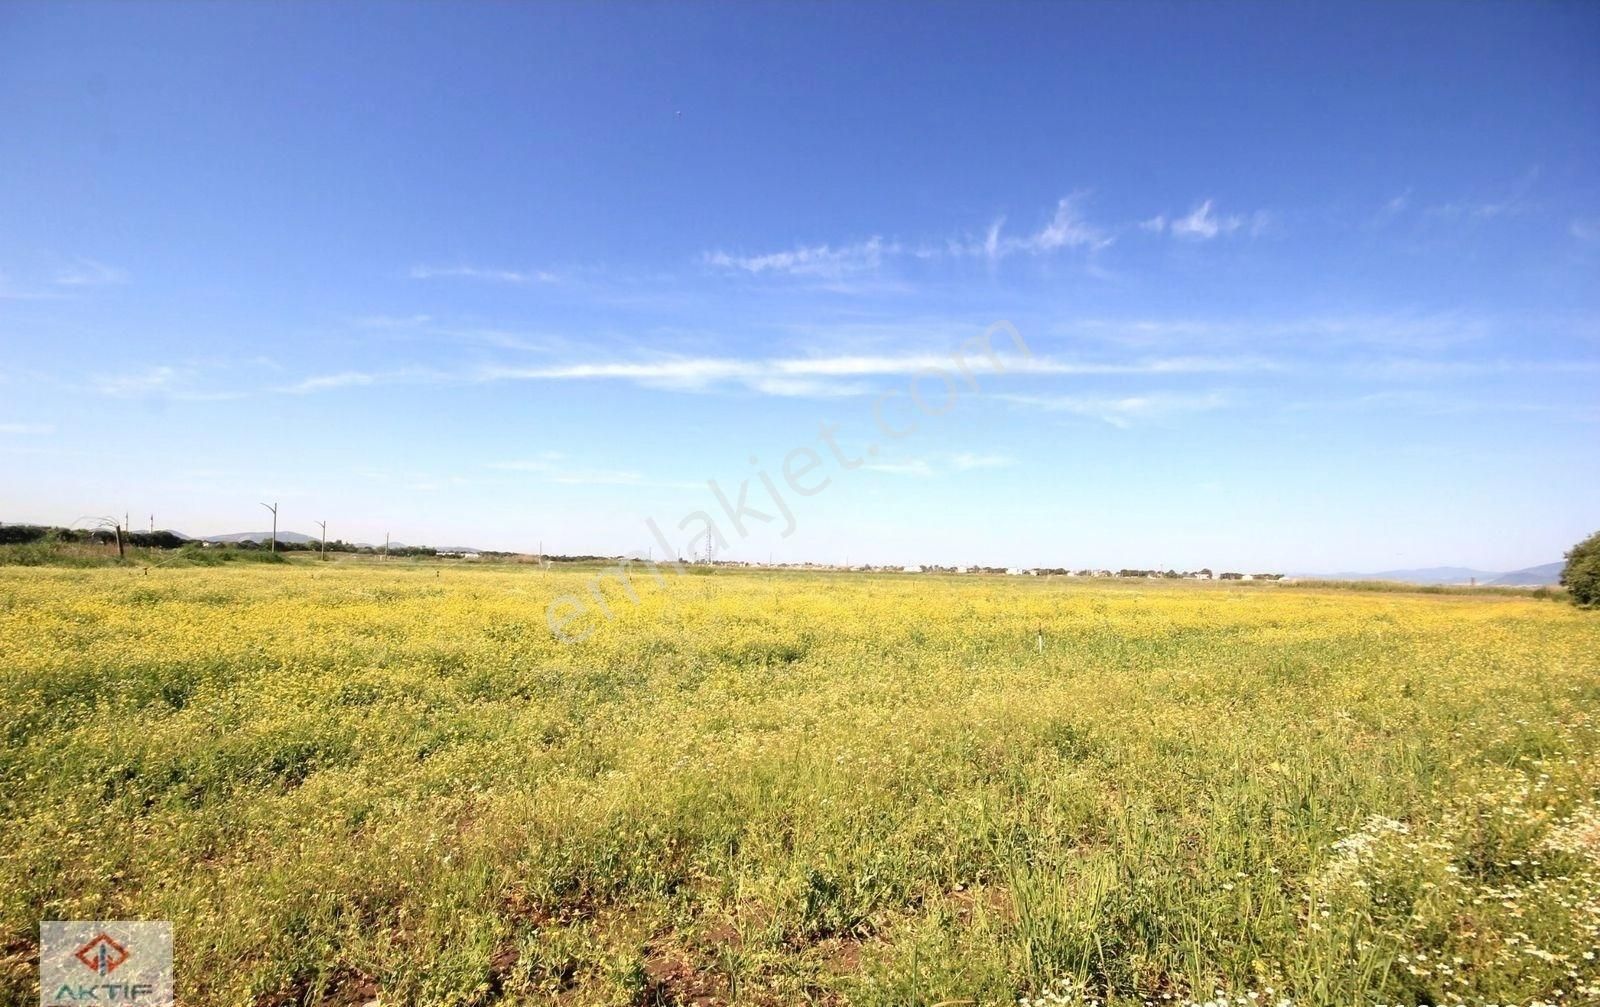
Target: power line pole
273,507
324,525
385,545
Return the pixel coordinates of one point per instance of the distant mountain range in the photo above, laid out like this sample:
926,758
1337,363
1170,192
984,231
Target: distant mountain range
1537,576
261,536
1533,576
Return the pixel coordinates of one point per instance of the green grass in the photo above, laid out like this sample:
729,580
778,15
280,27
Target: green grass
86,554
354,781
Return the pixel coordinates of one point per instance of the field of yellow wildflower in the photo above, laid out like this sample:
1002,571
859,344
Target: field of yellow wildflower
350,782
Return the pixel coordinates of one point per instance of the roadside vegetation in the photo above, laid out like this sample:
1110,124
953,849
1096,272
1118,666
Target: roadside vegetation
1396,586
351,782
100,554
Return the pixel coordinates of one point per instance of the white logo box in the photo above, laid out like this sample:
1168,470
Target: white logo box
127,962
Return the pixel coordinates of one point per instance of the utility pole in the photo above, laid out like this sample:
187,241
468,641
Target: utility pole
385,545
324,525
152,524
273,507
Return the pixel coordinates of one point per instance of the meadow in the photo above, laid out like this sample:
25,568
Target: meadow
355,782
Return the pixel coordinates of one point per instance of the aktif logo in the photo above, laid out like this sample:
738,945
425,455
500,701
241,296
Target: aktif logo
123,962
102,954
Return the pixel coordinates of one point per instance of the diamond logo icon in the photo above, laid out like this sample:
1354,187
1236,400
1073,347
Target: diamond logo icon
102,954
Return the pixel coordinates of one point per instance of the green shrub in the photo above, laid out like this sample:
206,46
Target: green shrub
197,555
19,534
1581,576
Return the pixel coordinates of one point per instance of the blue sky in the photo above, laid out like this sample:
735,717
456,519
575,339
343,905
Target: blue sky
1300,287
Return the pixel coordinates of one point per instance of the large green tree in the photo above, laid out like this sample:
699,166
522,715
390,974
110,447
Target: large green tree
1581,575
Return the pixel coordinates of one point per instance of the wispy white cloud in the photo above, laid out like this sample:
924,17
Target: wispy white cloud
27,429
425,328
142,382
1123,410
175,383
815,377
519,277
45,285
1415,332
1586,229
363,379
821,261
1389,211
939,465
695,372
88,273
393,321
1201,224
344,379
1513,201
1429,402
1067,228
1477,211
1413,368
807,388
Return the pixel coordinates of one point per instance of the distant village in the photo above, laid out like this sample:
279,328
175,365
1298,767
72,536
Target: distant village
1010,571
296,542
